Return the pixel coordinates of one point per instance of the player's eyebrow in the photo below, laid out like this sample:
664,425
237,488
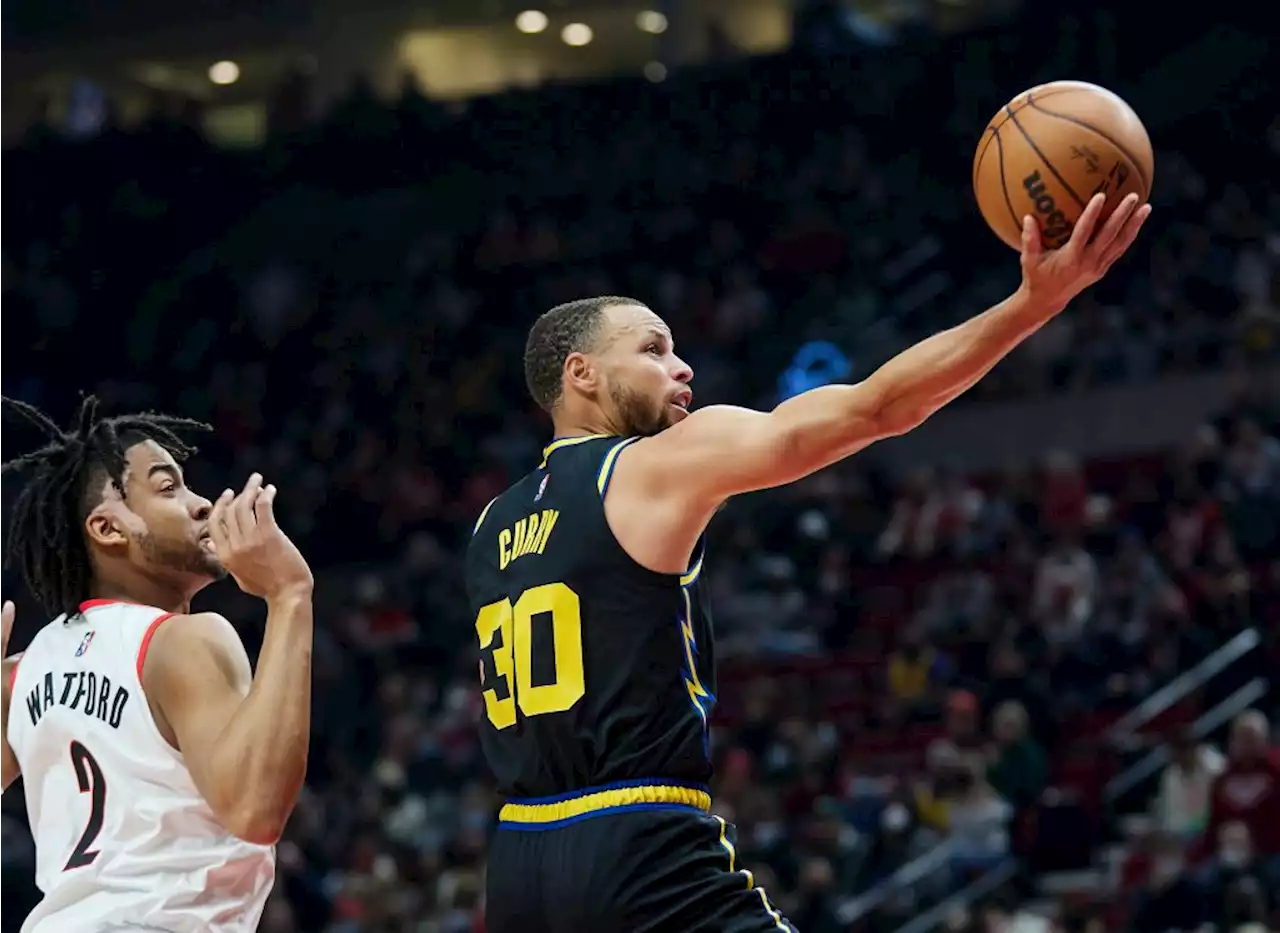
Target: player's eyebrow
167,468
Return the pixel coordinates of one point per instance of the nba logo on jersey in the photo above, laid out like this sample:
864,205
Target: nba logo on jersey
84,644
542,487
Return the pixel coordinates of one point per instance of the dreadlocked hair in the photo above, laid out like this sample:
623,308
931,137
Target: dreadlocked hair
45,544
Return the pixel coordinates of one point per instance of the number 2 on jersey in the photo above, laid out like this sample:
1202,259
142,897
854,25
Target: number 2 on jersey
89,776
506,633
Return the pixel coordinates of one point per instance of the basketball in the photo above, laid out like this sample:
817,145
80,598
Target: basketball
1049,150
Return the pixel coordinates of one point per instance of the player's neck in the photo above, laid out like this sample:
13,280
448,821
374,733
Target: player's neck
581,427
142,591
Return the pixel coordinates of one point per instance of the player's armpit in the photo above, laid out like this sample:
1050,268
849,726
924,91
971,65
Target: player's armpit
9,769
718,452
198,674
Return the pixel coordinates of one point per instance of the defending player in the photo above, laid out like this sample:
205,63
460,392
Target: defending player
596,650
159,770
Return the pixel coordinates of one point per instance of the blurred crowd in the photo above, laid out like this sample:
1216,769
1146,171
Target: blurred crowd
908,658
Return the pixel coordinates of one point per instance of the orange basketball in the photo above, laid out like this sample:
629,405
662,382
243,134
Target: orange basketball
1049,150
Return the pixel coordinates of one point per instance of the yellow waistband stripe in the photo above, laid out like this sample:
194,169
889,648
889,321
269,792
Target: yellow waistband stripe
592,803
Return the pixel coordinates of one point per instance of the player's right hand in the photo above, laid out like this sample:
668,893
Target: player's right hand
249,543
1053,277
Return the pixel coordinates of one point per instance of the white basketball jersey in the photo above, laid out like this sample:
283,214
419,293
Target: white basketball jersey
123,838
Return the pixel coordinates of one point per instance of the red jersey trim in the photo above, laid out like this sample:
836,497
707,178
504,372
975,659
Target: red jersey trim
95,603
146,640
13,674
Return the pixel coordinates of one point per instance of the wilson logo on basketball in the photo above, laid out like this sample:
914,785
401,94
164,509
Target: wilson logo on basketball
1055,229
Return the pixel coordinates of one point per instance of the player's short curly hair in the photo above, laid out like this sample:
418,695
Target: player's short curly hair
573,327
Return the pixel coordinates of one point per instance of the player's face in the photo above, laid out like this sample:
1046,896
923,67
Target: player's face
647,384
160,524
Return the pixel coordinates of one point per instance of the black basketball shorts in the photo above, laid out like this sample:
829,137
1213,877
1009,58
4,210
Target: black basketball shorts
633,857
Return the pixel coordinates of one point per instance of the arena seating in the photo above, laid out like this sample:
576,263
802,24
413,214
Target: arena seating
348,306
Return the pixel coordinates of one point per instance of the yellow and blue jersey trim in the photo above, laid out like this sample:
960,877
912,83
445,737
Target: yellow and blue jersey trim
483,513
702,700
534,814
609,462
571,441
774,914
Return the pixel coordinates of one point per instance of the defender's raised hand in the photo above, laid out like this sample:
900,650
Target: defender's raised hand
1053,277
249,543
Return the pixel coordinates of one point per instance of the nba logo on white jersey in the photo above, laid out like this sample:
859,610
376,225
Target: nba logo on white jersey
84,645
124,839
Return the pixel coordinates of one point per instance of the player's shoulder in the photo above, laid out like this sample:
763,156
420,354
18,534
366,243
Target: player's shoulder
187,638
513,497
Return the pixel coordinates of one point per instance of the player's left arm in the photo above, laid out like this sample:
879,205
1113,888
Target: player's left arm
9,768
721,451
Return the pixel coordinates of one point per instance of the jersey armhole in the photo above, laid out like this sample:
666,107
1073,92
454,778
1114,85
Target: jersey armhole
483,512
146,640
607,465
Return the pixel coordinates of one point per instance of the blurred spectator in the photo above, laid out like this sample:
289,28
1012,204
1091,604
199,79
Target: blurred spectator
1008,680
1020,769
938,786
931,514
1064,496
917,674
1244,907
1248,789
1254,459
1066,589
962,723
1233,863
1182,805
978,820
893,843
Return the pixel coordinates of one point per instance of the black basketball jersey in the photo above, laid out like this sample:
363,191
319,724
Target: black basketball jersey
594,670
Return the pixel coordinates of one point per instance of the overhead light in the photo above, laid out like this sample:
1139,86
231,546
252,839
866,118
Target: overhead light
224,72
651,21
655,72
531,21
577,34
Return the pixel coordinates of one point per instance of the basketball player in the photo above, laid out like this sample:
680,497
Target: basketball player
159,770
596,649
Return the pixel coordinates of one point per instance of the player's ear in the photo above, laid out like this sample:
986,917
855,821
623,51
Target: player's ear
104,526
580,374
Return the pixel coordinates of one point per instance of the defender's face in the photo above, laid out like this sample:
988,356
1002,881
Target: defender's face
160,523
647,384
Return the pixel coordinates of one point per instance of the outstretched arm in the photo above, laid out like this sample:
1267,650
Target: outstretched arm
720,451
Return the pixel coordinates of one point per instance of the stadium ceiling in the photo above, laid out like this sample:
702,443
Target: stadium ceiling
39,23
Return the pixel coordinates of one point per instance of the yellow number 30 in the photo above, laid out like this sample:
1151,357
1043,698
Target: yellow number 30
513,657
